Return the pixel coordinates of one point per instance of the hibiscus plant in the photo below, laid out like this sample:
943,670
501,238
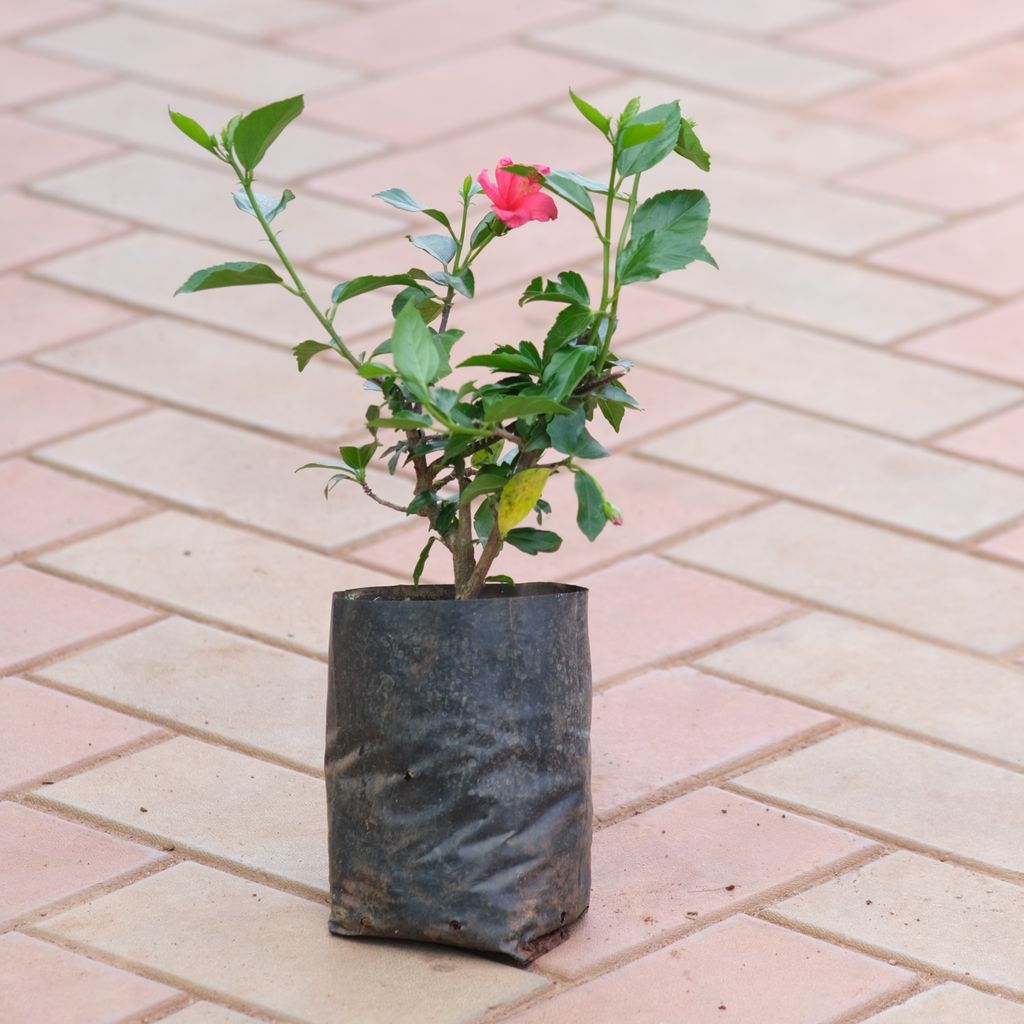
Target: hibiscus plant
483,452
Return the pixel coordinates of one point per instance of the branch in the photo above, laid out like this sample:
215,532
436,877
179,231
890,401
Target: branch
586,389
383,501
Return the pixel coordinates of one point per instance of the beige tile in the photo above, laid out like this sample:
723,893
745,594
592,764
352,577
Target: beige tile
222,803
272,950
251,18
741,15
178,56
210,371
145,268
788,208
209,1013
951,1003
135,114
171,195
910,583
910,791
847,469
250,479
823,375
943,915
853,668
866,304
217,683
734,65
771,139
228,575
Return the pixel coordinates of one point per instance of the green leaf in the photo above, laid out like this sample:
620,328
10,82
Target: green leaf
483,519
256,132
423,300
403,421
629,111
566,369
358,457
484,483
689,146
590,515
521,405
501,578
506,359
370,370
441,247
569,435
519,495
414,349
401,200
194,130
532,541
666,235
305,351
570,190
489,227
230,275
637,134
651,151
613,412
463,282
570,323
569,287
368,283
591,113
421,562
270,206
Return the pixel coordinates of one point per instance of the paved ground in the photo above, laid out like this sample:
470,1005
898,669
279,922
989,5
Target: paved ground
807,637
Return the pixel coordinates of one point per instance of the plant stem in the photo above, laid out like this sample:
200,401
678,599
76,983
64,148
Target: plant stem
606,241
613,312
463,559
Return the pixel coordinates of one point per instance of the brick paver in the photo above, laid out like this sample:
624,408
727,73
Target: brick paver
808,636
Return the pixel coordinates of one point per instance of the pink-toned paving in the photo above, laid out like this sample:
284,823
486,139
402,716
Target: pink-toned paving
808,637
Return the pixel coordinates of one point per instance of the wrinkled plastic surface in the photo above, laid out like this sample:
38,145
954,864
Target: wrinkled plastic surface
458,765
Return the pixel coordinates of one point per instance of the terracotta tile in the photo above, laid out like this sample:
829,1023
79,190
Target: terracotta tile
748,16
44,614
733,65
910,32
852,668
646,609
212,372
261,16
930,104
170,195
951,1003
46,229
32,150
29,77
38,315
36,405
957,177
381,109
17,18
735,850
272,950
135,114
966,924
221,573
746,133
46,859
195,59
822,375
847,299
846,469
870,572
49,732
691,724
221,685
977,253
433,172
391,38
204,797
989,343
42,506
248,478
1009,544
144,269
45,984
904,789
757,971
999,439
656,503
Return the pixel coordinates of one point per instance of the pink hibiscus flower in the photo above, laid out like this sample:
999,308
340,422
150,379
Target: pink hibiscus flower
516,199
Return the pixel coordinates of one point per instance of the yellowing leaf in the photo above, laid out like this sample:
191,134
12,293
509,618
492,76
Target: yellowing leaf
519,496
